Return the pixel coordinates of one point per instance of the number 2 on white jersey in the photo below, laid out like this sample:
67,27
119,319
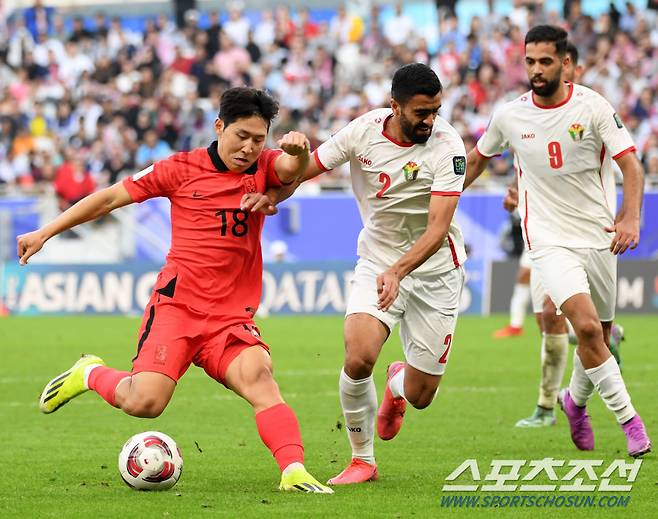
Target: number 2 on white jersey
386,180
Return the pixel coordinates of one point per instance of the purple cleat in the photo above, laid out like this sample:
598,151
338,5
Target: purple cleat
636,437
579,423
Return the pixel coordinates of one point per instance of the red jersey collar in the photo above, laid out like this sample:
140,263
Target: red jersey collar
394,141
219,163
561,103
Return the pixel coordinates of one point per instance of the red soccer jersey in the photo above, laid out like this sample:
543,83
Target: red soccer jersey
215,262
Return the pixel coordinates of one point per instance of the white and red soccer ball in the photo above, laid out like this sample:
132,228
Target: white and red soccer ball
150,461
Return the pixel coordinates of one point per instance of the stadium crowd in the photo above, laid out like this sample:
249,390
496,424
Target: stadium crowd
84,103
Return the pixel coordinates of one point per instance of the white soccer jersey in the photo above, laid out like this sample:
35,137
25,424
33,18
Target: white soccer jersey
393,182
566,181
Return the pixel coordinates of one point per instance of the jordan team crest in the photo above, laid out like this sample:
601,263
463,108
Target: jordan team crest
410,171
576,131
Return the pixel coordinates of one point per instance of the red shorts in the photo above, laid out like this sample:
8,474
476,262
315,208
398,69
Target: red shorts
173,336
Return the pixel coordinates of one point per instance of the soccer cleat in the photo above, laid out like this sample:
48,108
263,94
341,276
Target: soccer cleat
637,440
508,331
391,411
67,385
358,471
540,418
582,434
298,480
617,335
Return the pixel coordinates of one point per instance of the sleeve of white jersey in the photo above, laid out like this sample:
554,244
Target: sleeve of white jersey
450,169
611,129
337,149
492,142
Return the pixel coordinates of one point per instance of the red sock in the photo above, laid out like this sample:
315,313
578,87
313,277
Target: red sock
279,430
104,381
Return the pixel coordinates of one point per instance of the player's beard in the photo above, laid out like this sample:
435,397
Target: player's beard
411,131
549,88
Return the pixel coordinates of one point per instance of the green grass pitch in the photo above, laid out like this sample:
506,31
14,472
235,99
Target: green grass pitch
64,465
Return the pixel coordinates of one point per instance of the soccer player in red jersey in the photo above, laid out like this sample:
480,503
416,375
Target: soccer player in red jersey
204,299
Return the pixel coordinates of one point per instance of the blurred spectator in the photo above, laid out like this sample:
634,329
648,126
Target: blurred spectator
151,150
73,181
38,18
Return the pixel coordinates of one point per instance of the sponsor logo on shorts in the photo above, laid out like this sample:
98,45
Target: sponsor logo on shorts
160,354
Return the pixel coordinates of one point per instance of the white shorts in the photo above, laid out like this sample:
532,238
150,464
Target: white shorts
537,293
525,261
566,272
426,308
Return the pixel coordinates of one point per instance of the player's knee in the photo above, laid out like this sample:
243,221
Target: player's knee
422,398
143,406
589,331
358,367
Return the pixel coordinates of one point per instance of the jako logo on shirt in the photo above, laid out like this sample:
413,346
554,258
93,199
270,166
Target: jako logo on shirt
364,160
527,136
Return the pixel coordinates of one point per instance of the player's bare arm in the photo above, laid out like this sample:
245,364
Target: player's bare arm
441,211
292,163
89,208
475,165
627,222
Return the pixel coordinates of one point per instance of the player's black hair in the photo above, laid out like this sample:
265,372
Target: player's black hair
548,34
414,79
241,102
572,50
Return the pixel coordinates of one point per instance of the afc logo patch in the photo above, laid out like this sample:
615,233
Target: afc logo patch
160,356
249,184
459,164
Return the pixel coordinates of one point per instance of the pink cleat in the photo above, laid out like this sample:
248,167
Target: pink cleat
636,437
391,411
358,471
579,423
508,331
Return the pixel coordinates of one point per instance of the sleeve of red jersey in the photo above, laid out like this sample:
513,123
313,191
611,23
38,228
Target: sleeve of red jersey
338,149
159,179
611,129
492,142
450,169
266,164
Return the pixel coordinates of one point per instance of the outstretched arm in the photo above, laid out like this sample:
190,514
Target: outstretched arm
627,222
475,164
441,211
292,163
89,208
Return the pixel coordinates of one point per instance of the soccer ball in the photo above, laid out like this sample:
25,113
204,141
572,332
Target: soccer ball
150,461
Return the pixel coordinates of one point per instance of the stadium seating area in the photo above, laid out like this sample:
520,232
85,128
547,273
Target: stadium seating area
85,101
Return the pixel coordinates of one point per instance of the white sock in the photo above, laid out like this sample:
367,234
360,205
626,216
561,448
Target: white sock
293,466
358,398
397,385
580,386
519,304
609,383
554,350
88,372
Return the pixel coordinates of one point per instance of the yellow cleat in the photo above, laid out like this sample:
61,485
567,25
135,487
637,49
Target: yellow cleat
298,480
67,385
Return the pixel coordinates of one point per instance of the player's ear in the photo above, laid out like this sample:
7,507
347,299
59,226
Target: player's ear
395,106
219,127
